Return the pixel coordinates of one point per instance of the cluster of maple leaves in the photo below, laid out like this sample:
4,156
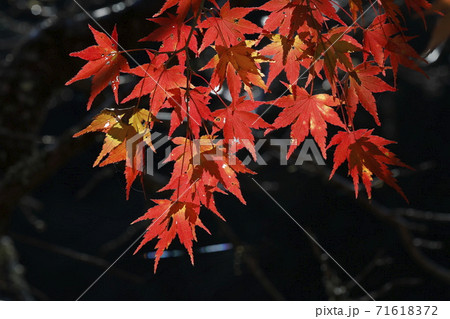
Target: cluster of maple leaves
315,38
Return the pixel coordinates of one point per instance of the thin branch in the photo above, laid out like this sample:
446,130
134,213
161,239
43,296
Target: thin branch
31,172
391,215
78,256
424,215
389,286
252,264
12,281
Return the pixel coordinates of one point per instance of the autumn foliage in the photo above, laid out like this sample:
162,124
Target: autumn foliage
300,42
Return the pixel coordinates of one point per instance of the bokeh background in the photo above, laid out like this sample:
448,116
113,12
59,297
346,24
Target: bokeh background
62,222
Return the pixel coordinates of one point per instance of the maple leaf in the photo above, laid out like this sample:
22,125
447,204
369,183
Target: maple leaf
170,219
366,156
157,80
419,6
229,28
173,34
307,114
105,64
335,47
183,7
207,161
288,52
362,83
326,8
120,127
193,105
400,52
376,38
392,10
238,61
236,122
380,41
280,16
102,122
290,15
441,31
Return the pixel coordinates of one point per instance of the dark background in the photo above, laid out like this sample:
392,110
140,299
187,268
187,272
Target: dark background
62,222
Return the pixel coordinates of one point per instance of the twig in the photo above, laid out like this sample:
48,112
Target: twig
78,256
392,216
31,172
333,284
123,239
387,287
425,215
13,280
252,264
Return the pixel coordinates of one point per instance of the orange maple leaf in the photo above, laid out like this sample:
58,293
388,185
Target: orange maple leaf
121,126
237,63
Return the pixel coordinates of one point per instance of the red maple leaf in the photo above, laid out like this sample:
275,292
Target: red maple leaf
290,15
198,169
362,83
400,52
170,219
392,10
236,122
105,64
193,105
157,81
366,156
286,15
326,8
376,38
173,34
229,28
441,30
288,52
204,160
183,7
307,114
420,6
335,47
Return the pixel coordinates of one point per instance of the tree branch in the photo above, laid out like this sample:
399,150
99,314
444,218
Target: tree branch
78,256
393,216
